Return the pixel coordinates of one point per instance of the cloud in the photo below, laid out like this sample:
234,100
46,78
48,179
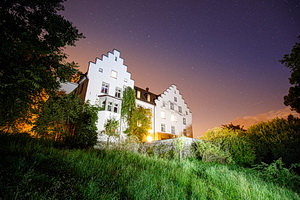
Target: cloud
264,117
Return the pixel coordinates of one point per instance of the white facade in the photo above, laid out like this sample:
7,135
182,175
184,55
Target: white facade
107,78
172,115
104,84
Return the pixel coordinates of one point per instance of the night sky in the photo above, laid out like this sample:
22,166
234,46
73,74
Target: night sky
222,55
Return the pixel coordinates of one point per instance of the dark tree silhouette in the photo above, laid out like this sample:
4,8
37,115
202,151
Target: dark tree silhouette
292,61
32,60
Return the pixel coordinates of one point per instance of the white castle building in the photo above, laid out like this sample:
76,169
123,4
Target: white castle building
104,84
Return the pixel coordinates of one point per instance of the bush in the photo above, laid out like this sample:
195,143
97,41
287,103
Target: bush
68,122
277,173
240,149
210,152
279,138
234,142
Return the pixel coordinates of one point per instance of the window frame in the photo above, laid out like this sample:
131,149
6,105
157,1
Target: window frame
118,92
114,74
105,88
172,106
163,127
173,130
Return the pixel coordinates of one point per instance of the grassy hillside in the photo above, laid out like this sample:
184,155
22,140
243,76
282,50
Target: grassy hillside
32,170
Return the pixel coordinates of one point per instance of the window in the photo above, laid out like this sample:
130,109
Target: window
103,104
163,128
175,99
116,108
148,97
125,80
116,58
114,74
180,109
138,94
184,121
100,70
104,88
163,115
186,112
173,118
173,129
118,92
109,106
172,106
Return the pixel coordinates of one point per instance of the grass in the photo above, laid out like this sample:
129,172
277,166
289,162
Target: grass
30,169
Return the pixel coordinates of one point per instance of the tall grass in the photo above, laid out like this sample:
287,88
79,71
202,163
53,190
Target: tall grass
31,170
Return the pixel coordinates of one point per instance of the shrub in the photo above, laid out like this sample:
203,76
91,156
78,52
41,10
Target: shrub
234,142
68,122
210,152
279,138
277,173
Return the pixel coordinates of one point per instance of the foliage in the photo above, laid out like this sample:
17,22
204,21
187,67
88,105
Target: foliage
179,146
85,134
234,141
30,170
128,105
140,122
233,127
32,60
277,173
210,152
292,61
279,138
111,128
65,119
58,116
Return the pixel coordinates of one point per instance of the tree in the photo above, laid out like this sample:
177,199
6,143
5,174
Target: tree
292,61
233,127
128,106
67,121
278,138
232,140
32,61
111,128
140,123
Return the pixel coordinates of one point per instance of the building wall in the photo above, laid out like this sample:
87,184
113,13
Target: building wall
109,70
172,112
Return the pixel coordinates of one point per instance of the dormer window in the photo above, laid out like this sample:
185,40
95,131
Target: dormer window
138,94
148,98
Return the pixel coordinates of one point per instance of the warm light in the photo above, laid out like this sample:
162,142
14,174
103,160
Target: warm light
149,138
